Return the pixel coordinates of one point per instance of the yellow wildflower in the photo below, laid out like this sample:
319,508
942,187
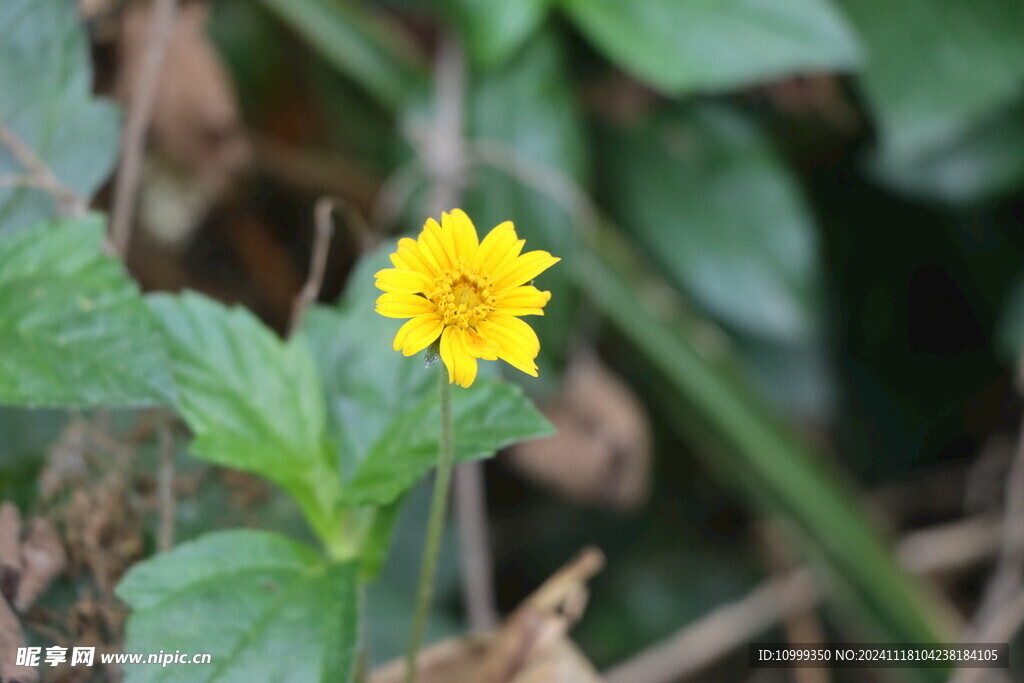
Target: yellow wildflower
467,292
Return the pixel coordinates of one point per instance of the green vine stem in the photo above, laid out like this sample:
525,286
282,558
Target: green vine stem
435,525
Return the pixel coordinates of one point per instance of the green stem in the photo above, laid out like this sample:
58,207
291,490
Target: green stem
435,525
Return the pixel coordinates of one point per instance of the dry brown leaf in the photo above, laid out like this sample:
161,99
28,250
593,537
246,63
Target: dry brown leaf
11,638
196,124
531,646
44,558
11,564
601,453
198,142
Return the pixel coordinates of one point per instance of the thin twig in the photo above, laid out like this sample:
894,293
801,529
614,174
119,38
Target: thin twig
317,260
477,565
444,154
725,628
800,626
165,486
701,643
1008,575
38,176
133,136
1000,628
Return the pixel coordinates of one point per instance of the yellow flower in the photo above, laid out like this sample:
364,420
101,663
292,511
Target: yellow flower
467,292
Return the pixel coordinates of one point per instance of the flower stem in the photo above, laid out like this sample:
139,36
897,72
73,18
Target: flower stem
435,525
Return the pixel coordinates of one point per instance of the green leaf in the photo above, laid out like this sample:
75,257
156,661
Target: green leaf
716,45
358,44
377,541
493,30
760,457
487,416
985,162
722,216
74,330
384,407
253,401
46,101
529,109
264,607
935,68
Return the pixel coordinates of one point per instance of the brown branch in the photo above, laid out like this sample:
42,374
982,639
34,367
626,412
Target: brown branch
133,136
443,153
701,643
1007,577
1001,627
474,540
317,260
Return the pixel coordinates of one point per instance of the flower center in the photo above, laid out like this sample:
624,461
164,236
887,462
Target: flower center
462,297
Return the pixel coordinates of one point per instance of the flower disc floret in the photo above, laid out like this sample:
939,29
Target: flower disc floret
469,293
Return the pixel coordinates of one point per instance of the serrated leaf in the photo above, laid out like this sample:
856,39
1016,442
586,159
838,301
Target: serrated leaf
46,101
934,68
715,45
722,216
487,416
493,30
253,401
74,330
264,607
357,44
384,407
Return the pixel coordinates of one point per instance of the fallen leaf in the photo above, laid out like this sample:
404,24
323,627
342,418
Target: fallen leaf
11,564
44,558
532,645
11,638
601,454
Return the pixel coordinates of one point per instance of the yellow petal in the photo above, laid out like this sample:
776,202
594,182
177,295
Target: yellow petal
464,237
461,364
499,244
410,257
418,333
433,247
525,300
524,269
398,305
520,332
480,347
517,342
447,237
403,280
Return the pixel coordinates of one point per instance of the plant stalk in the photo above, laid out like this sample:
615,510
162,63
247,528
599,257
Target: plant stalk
435,526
